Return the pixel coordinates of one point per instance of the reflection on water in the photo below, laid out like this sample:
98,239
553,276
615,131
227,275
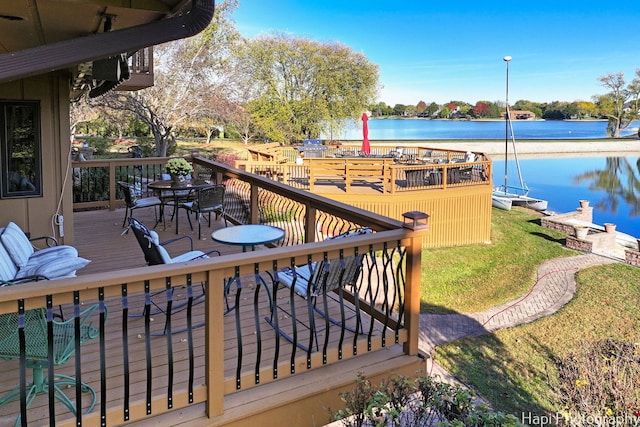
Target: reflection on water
619,179
611,184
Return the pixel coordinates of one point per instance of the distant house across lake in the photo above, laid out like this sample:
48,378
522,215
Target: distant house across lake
521,115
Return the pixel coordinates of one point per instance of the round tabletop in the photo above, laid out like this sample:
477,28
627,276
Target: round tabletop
185,184
248,234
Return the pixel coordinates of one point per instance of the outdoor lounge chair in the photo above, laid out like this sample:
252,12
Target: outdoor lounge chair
44,345
21,262
155,253
314,282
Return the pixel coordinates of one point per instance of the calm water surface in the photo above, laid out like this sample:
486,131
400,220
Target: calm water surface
611,184
381,129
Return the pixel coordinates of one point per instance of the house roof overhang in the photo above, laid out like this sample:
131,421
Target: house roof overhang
42,36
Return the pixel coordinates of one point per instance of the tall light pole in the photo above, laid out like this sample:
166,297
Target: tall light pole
507,117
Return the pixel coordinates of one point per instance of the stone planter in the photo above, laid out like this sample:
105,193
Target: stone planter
584,204
581,232
609,227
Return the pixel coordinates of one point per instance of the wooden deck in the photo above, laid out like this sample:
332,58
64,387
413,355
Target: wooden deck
99,237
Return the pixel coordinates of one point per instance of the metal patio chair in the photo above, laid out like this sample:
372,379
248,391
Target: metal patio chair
155,253
208,200
314,283
132,201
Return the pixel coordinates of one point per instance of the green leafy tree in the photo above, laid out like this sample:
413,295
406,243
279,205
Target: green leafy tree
621,104
381,109
301,87
586,109
556,110
400,110
524,105
432,109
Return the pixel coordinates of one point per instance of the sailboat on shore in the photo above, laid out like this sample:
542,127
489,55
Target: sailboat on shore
505,196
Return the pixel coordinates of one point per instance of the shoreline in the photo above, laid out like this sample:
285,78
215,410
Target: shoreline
527,148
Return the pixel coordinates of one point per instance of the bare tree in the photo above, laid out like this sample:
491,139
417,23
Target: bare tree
81,112
185,72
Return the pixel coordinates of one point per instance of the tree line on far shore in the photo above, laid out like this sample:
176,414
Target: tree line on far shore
557,110
621,107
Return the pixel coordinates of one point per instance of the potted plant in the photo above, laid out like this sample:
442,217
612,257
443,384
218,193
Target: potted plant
178,167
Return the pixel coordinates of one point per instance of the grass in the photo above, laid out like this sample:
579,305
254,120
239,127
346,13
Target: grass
514,368
473,278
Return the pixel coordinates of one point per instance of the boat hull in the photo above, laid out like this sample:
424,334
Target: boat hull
500,197
501,203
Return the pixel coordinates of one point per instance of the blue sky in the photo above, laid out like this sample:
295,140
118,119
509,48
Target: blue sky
452,50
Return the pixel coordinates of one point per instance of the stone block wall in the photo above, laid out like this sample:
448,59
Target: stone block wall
603,243
632,257
557,222
578,244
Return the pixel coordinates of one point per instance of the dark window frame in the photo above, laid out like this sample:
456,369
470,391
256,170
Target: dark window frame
20,149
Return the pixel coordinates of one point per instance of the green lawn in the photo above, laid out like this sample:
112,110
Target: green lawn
473,278
513,368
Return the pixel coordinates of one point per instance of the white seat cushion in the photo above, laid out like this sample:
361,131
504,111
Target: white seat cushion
8,269
189,256
57,268
17,244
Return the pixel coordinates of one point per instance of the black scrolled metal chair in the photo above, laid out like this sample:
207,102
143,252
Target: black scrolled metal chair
155,253
208,200
314,282
27,333
132,201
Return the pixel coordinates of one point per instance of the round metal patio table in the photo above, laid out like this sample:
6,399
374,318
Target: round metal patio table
248,235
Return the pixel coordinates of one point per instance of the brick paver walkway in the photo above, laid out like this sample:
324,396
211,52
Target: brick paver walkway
554,287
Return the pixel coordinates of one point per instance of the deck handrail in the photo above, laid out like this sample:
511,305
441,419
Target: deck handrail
393,260
398,314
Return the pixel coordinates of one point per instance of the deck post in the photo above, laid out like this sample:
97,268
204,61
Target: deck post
412,290
214,346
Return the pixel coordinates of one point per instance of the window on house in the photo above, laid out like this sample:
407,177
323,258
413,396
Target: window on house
20,149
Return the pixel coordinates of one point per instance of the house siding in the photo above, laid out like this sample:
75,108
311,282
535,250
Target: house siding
35,214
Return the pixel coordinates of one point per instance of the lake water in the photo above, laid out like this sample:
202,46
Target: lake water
391,129
611,184
607,182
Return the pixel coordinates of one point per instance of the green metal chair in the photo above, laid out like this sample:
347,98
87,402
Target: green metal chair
33,327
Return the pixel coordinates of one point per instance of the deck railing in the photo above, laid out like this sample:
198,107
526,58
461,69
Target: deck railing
417,168
137,374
